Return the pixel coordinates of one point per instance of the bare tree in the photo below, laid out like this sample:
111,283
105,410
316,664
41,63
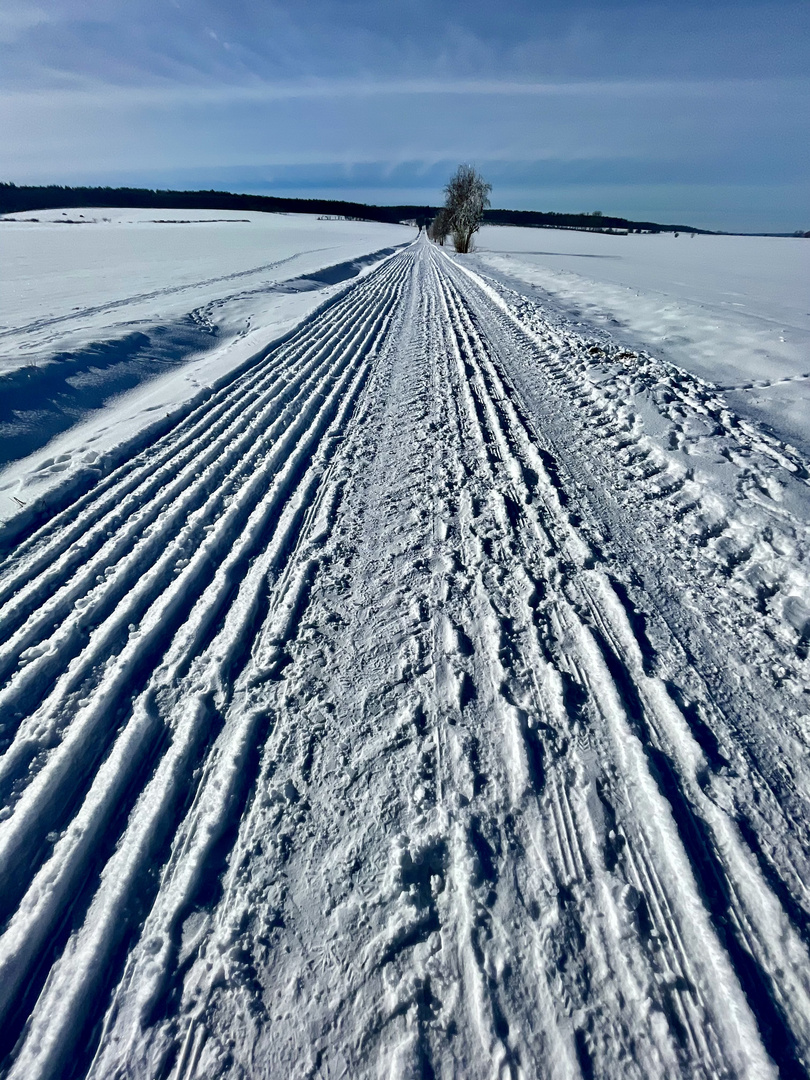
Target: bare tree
467,197
439,228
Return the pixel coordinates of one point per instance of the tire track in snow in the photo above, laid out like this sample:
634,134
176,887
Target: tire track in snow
570,844
758,748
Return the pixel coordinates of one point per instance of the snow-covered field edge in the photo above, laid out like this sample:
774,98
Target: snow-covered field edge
74,462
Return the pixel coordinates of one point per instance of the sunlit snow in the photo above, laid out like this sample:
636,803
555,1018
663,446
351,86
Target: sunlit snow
414,682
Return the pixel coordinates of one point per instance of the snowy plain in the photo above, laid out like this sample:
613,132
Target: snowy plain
734,310
428,697
98,303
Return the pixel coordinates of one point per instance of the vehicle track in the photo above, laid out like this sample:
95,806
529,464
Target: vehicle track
333,741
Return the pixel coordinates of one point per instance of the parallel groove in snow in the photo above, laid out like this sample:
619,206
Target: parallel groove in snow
180,524
331,744
338,361
494,426
790,960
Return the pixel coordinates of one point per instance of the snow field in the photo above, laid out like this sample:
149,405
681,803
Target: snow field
429,700
117,327
730,309
125,259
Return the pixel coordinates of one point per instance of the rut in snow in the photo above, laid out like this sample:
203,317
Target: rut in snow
406,711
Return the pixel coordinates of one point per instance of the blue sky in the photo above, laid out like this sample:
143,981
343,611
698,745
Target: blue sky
689,112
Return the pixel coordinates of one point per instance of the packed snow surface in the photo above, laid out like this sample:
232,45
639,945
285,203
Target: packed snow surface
431,699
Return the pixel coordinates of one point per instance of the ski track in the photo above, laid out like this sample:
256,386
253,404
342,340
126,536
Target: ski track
408,710
154,294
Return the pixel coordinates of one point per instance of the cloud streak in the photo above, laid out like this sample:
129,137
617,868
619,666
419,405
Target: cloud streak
701,96
106,95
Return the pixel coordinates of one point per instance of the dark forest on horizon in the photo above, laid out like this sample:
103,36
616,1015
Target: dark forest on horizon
23,198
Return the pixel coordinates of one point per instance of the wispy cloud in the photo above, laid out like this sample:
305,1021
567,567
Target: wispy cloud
16,21
615,92
91,92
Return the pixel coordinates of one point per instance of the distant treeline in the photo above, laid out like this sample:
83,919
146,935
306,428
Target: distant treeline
596,221
20,199
17,199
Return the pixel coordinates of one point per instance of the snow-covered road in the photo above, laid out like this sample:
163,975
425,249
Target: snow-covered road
431,701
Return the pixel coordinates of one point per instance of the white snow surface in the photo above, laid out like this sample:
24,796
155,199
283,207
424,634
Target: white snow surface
431,698
112,319
734,310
